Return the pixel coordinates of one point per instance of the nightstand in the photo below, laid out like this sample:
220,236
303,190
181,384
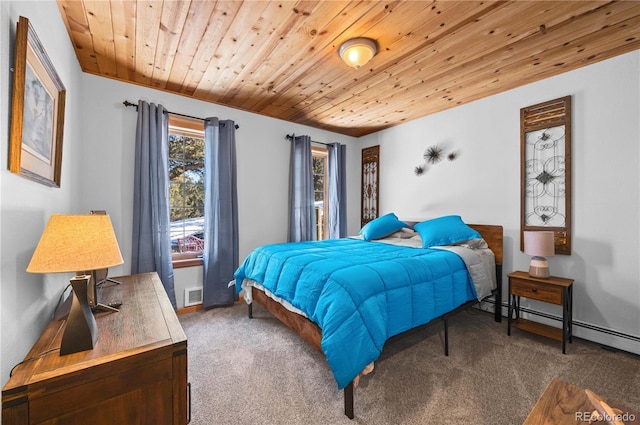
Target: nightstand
554,290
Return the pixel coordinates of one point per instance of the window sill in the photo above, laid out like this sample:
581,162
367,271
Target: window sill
187,262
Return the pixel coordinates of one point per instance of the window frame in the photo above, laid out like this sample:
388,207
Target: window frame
194,128
323,153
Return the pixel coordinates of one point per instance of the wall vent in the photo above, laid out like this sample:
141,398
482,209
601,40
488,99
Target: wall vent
192,296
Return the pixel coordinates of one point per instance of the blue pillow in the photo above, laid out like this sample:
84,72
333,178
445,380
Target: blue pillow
381,227
445,230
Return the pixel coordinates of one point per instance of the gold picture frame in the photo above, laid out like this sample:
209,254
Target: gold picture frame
37,111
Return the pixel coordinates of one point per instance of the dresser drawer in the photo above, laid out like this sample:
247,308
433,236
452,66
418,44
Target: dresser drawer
536,291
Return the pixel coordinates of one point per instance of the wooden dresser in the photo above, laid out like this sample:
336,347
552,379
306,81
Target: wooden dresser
136,373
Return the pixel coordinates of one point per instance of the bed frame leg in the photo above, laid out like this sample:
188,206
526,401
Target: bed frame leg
497,309
250,310
446,337
348,400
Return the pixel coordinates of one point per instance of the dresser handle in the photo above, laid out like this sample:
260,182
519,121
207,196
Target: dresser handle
534,290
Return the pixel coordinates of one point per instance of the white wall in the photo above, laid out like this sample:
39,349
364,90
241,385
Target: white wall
262,159
483,184
28,300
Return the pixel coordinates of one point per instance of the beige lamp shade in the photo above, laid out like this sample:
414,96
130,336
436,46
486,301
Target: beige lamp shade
539,243
358,51
73,243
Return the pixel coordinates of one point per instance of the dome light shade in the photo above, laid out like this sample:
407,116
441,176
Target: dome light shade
358,51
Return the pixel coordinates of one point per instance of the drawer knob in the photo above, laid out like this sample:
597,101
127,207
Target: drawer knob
534,290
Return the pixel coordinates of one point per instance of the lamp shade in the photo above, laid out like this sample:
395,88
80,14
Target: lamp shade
539,243
72,243
358,51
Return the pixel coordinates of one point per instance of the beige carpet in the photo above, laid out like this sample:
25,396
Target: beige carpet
256,371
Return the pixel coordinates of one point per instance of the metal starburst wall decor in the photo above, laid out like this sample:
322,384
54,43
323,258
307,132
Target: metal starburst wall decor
433,155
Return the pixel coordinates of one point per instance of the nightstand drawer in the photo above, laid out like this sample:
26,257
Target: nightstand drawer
536,291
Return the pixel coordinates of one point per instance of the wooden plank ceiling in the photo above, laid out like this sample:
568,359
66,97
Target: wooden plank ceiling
279,58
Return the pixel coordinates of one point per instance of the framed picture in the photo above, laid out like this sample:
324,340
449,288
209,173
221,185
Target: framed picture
545,166
37,111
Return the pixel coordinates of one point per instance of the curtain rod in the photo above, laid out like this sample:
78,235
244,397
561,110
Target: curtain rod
290,137
135,105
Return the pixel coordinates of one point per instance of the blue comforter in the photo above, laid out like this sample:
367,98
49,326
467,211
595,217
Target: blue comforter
360,293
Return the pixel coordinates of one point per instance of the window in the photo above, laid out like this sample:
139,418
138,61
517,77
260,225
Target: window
321,198
186,189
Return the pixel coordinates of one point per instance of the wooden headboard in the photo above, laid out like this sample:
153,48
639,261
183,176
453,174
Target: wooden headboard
493,236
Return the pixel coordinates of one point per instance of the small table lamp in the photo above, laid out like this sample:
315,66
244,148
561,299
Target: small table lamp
539,244
74,243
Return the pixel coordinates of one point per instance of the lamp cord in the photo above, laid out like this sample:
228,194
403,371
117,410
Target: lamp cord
60,300
52,349
32,358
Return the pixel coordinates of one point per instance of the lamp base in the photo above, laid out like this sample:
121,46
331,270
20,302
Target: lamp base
80,332
539,267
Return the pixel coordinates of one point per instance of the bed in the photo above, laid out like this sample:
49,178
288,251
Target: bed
372,291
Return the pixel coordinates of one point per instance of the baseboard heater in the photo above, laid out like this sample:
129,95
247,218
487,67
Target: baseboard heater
584,325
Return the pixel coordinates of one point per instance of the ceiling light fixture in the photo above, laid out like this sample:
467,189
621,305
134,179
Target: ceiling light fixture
358,51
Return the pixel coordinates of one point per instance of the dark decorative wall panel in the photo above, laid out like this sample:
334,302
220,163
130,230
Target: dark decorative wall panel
370,178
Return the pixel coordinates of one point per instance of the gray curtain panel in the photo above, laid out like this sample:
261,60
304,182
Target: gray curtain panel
220,252
337,190
302,215
151,247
